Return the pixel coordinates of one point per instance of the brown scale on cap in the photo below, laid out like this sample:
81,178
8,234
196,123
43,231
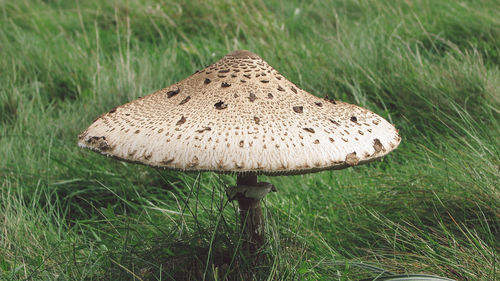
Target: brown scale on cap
173,93
226,115
252,97
352,159
377,146
185,100
181,121
298,109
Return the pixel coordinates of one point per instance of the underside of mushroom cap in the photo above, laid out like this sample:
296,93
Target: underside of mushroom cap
239,115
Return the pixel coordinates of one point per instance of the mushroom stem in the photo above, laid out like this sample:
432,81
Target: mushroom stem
248,192
246,179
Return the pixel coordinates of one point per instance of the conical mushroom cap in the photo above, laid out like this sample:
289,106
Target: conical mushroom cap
240,115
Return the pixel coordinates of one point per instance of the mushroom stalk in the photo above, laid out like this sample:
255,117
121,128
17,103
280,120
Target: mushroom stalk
248,192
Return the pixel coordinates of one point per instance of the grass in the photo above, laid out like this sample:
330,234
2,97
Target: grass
430,207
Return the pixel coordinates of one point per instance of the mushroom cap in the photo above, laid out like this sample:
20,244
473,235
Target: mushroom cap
240,115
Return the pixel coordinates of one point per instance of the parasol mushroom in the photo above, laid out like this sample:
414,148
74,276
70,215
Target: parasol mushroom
239,115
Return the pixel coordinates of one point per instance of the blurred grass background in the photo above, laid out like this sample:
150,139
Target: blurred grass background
432,206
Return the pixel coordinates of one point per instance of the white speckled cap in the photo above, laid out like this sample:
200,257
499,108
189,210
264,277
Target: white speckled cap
240,115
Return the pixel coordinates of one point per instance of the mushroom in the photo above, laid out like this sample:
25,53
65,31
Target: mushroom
239,115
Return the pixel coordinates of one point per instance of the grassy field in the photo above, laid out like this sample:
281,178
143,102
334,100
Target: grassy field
430,207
